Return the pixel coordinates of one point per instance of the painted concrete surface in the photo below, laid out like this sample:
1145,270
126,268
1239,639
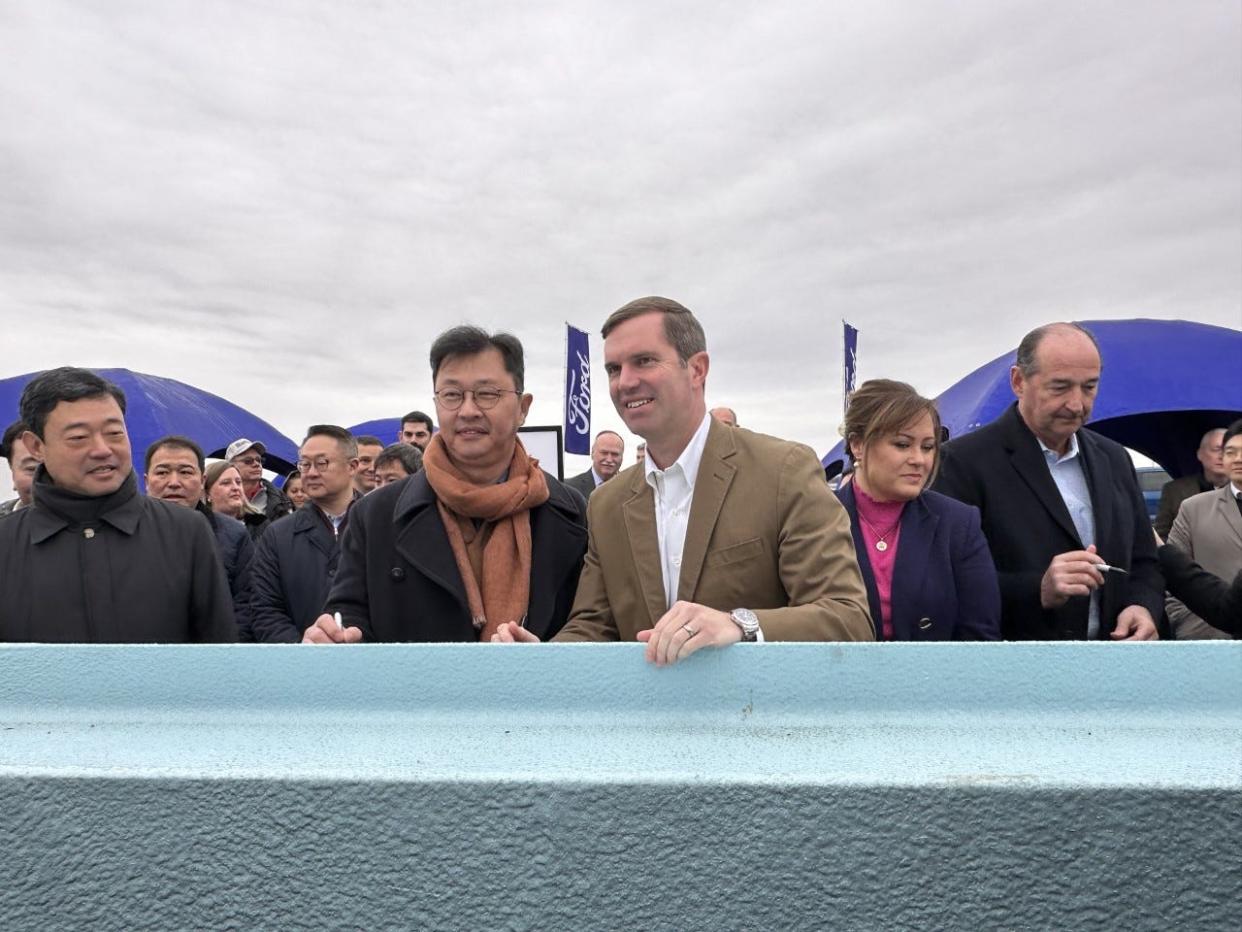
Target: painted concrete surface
573,786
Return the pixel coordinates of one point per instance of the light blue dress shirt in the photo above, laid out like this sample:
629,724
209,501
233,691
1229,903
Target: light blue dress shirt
1071,481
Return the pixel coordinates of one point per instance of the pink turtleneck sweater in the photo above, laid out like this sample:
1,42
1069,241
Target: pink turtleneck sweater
876,519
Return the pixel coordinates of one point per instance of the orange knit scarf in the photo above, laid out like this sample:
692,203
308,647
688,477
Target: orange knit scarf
503,594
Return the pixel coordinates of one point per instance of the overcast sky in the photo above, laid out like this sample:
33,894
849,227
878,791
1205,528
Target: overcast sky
284,202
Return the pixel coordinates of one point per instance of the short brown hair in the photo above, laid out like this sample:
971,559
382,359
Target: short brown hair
881,407
682,330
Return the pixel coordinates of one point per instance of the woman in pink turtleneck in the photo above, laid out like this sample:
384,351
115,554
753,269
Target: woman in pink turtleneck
923,556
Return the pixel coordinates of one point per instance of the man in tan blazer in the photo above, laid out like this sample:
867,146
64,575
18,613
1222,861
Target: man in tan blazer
722,535
1209,528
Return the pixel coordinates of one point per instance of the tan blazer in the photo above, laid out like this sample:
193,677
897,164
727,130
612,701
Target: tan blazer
1209,528
765,533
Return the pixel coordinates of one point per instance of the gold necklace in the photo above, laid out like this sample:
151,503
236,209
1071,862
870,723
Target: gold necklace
881,544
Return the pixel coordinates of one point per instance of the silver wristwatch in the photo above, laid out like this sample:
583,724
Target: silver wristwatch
747,620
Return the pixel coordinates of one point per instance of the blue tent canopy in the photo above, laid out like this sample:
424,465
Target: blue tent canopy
1165,383
157,406
385,428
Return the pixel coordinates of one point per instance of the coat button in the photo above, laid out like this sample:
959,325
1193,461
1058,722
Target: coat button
397,573
331,572
925,623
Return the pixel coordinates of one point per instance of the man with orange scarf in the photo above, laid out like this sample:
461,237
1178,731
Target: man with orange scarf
479,538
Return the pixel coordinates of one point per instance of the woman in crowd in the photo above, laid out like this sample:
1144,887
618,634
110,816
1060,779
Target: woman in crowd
222,487
923,556
293,489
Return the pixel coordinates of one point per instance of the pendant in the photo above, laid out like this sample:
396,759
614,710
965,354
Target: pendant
881,546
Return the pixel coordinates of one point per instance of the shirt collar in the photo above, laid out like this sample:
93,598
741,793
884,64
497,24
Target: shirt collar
689,460
598,479
1053,457
1233,487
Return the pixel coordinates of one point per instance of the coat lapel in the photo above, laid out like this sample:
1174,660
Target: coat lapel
710,488
1101,483
419,537
640,526
1028,460
311,526
846,495
918,528
1228,510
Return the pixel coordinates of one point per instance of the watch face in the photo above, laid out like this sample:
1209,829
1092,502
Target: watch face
747,620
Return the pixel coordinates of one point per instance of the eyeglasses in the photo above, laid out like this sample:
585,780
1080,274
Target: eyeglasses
249,460
319,463
485,398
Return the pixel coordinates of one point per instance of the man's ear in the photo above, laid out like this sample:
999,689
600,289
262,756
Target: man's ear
524,407
34,444
1017,381
698,364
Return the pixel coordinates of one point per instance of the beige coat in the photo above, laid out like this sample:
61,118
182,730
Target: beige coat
765,533
1209,528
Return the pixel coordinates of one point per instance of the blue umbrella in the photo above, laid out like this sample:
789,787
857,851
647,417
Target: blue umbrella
1165,383
385,428
156,406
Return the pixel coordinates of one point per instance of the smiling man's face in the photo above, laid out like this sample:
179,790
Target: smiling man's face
659,397
480,439
84,446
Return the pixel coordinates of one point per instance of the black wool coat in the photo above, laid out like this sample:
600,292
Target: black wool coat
398,580
146,571
1001,470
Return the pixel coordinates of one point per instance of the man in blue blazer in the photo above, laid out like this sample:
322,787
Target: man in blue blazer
1059,501
944,583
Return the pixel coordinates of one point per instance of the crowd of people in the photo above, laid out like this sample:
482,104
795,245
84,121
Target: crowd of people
1032,527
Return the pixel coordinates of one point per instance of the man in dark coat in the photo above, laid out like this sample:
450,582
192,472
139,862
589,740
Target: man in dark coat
606,456
174,473
22,467
479,537
1058,502
92,560
295,560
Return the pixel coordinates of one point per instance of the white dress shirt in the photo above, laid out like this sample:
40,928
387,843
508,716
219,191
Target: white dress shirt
674,491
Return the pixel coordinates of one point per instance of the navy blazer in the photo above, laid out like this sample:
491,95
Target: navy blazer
944,583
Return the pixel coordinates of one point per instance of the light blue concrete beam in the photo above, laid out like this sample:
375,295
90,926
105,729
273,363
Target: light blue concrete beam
574,786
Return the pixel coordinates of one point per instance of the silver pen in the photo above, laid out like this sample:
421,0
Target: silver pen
1105,568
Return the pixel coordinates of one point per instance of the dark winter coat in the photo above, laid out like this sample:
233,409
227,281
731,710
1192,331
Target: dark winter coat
398,579
138,570
1000,469
294,562
236,551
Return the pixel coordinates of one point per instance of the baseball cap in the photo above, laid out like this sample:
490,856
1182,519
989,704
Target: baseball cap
238,447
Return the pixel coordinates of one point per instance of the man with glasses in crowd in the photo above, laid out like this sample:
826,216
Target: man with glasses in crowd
295,560
247,456
480,537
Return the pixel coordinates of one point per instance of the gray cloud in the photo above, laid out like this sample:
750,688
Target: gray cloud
284,203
